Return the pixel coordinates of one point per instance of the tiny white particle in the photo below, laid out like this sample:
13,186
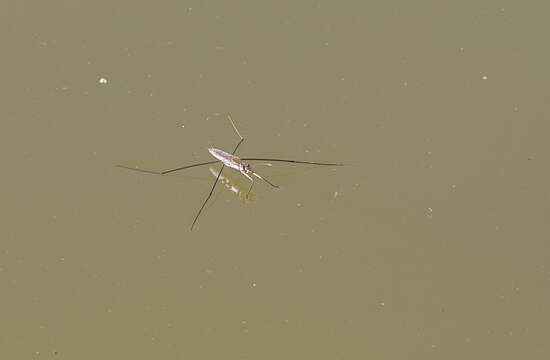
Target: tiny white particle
484,77
103,81
182,126
335,194
253,284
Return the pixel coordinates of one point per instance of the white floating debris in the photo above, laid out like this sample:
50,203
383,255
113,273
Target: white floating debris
103,81
182,126
484,77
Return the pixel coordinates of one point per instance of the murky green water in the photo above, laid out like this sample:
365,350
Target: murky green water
431,244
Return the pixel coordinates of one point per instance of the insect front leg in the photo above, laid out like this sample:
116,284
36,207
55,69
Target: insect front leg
251,183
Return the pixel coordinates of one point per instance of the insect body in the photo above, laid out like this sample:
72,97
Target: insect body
229,160
236,163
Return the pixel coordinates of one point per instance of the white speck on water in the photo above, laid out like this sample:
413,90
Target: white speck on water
335,194
103,80
484,77
254,284
182,126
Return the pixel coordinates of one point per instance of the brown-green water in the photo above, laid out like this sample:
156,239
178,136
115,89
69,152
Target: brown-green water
432,244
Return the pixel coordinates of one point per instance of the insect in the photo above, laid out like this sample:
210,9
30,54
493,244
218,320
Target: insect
234,162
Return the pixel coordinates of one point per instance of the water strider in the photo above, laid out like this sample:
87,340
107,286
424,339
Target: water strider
234,162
